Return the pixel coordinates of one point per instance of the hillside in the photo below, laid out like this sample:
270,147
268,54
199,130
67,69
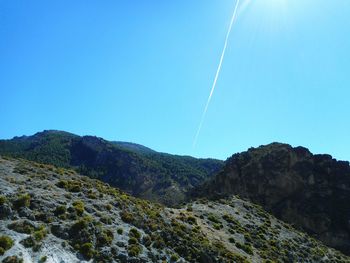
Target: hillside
134,168
312,192
55,215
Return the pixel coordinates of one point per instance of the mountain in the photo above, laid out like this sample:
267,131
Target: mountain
134,147
312,192
133,168
50,214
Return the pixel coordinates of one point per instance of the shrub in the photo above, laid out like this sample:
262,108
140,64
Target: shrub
71,186
191,220
109,207
3,199
28,242
120,231
24,227
134,250
174,258
91,195
105,238
12,259
43,259
146,240
62,209
79,207
62,184
134,233
218,226
126,217
106,219
81,224
133,241
22,201
87,250
40,234
214,219
5,243
246,248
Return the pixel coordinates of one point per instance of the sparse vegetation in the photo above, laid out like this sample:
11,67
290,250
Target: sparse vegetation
12,259
5,244
22,201
22,226
144,228
61,209
79,207
3,199
87,250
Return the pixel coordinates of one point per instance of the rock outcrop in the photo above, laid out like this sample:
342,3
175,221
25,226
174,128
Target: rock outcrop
312,192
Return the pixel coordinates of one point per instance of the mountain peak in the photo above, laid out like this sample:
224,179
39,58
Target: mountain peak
309,191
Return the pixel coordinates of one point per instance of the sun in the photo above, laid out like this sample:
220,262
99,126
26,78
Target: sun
270,16
269,6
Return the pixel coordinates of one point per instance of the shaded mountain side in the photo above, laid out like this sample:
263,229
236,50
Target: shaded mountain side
309,191
50,214
133,168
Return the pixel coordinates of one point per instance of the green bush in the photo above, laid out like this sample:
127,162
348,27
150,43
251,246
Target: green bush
214,219
126,217
22,201
146,240
5,243
28,242
120,231
81,224
246,248
12,259
134,250
106,219
105,238
43,259
3,199
62,184
40,234
133,232
174,258
192,220
24,227
71,186
61,209
79,207
133,241
87,250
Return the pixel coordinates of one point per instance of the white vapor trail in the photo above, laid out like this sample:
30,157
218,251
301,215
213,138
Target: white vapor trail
217,73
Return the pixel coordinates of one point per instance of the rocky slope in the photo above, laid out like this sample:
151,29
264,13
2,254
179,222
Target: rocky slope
55,215
134,168
309,191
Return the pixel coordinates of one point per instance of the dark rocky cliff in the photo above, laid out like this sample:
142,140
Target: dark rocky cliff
309,191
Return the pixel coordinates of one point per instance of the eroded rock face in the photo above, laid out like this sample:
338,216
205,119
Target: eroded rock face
309,191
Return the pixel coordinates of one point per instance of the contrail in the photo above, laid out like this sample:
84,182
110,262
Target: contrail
217,74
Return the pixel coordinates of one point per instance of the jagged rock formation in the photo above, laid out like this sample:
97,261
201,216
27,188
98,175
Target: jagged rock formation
136,169
309,191
50,214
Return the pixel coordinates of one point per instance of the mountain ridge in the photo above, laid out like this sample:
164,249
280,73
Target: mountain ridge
136,169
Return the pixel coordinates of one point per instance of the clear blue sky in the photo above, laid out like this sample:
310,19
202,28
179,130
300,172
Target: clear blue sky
141,71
